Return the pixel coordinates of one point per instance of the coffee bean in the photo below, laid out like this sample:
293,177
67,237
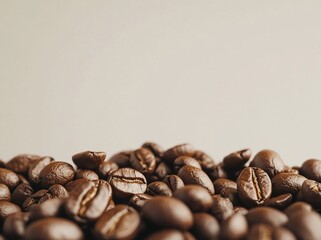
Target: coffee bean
169,234
234,227
138,200
158,188
166,212
192,175
56,173
88,201
266,215
268,232
87,174
21,163
36,198
21,193
105,169
297,207
254,187
195,197
311,169
232,194
287,183
73,184
174,182
180,150
240,210
36,167
217,172
58,191
237,160
121,222
121,159
161,171
53,229
9,178
205,226
156,149
14,227
280,202
50,208
88,159
4,193
185,161
126,182
222,208
311,191
269,161
222,183
143,161
7,208
204,159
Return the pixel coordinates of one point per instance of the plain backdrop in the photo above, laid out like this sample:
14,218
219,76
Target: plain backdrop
109,75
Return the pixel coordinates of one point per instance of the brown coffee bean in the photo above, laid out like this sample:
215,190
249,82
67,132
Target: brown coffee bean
266,215
121,159
237,160
158,188
87,174
234,227
58,191
254,187
88,159
21,193
311,191
121,222
167,234
174,182
204,159
36,167
14,226
105,169
161,171
268,232
297,207
287,183
9,178
4,192
21,163
51,208
143,161
205,226
269,161
7,208
311,169
280,202
180,150
185,161
222,183
156,149
73,184
138,200
222,208
35,199
232,194
217,172
240,210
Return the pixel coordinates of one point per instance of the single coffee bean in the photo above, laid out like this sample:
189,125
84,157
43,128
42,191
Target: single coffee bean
205,226
237,160
7,208
87,174
105,169
36,167
126,182
14,226
174,182
195,197
217,172
35,199
222,183
143,161
311,191
138,200
53,229
192,175
222,208
56,173
4,193
268,232
88,159
58,191
305,225
297,207
121,159
167,234
161,171
254,187
234,227
266,215
9,178
21,163
166,212
88,201
269,161
240,210
287,183
204,159
21,193
180,150
158,188
311,169
50,208
73,184
121,222
156,149
280,202
185,161
232,194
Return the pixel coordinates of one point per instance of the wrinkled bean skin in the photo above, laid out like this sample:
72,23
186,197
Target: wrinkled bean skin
56,173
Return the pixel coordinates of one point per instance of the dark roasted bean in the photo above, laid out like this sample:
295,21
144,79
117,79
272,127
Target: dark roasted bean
7,208
9,178
161,171
232,194
158,188
4,192
36,198
21,193
20,164
268,232
88,159
58,191
222,183
105,169
280,202
87,174
73,184
36,168
204,159
311,169
185,161
174,182
266,215
180,150
237,160
138,200
14,227
287,183
222,208
297,207
50,208
269,161
156,149
311,192
121,159
217,172
143,161
234,227
205,226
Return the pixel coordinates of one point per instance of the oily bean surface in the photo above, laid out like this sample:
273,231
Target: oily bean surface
311,191
266,215
36,167
158,188
205,226
88,159
180,150
311,169
237,160
143,160
9,178
5,193
14,227
287,183
20,164
280,202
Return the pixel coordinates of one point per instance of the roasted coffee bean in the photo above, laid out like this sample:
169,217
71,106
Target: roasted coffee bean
58,191
240,210
195,197
280,202
126,182
56,173
2,164
311,169
311,191
88,201
36,198
174,182
36,168
287,183
14,227
222,208
254,187
297,207
138,200
232,194
87,174
4,193
53,229
185,161
217,172
73,184
222,183
205,226
88,159
143,161
7,208
161,171
20,164
305,225
9,178
156,149
234,227
204,159
21,193
169,234
121,159
269,161
266,215
180,150
237,160
158,188
105,169
268,232
50,208
121,222
192,175
166,212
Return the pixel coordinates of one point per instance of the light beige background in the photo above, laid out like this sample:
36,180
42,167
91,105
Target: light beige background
108,75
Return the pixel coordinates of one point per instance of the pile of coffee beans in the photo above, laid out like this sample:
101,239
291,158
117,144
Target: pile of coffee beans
149,193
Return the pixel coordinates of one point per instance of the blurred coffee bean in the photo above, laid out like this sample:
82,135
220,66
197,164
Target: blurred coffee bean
138,200
268,232
20,164
7,208
266,215
222,183
156,149
221,208
204,159
311,169
237,160
121,159
287,183
269,161
14,226
87,174
311,191
232,194
35,199
158,188
73,184
161,171
4,192
50,208
185,161
167,234
58,191
21,193
143,161
174,182
180,150
9,178
280,202
205,226
36,167
297,207
217,172
105,169
234,227
56,173
240,210
88,159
